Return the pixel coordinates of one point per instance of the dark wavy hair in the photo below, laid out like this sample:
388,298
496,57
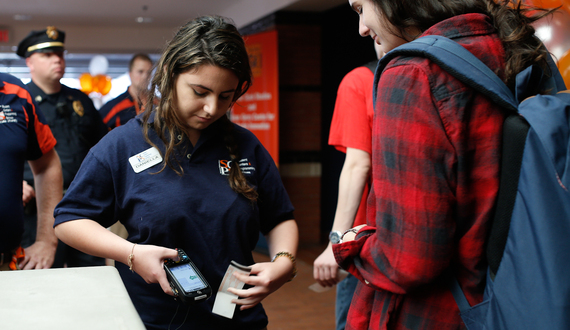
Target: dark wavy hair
511,18
207,40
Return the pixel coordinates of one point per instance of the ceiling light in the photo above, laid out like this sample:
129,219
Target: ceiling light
141,19
22,17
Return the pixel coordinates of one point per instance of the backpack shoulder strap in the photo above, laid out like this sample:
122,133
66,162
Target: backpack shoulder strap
515,130
457,61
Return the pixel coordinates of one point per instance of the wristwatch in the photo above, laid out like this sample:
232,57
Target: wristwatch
335,236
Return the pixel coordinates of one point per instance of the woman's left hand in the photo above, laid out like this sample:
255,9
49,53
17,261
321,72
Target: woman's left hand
264,279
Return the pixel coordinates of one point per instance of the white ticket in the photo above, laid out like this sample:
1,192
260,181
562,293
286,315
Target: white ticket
223,305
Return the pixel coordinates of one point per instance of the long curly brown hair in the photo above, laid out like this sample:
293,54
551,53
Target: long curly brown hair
207,40
511,18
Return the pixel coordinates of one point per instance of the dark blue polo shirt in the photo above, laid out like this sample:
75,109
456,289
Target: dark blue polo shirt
197,212
24,135
119,110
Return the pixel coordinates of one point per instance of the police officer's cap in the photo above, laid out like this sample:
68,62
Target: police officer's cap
44,41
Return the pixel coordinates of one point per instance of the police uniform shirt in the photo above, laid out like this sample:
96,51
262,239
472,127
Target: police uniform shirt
25,136
197,212
75,123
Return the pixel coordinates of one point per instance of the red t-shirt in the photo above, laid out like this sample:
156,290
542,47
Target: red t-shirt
351,125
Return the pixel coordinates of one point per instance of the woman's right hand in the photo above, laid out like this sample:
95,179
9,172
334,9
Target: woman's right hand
325,268
148,262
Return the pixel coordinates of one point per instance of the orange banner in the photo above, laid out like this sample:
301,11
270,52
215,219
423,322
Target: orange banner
258,109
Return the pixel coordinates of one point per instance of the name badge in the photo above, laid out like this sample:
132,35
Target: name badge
145,159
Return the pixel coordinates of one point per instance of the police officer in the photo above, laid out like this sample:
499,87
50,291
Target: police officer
74,121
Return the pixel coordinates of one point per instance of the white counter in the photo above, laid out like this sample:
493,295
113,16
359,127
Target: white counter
83,298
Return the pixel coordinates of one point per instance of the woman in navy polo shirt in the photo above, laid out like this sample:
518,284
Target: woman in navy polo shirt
183,176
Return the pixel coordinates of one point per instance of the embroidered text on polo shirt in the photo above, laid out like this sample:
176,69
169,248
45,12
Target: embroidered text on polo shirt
244,164
7,115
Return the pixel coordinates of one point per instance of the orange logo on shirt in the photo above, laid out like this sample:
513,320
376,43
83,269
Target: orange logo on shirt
224,166
244,164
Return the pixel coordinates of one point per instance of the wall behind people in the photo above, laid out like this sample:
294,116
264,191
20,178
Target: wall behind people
299,70
314,55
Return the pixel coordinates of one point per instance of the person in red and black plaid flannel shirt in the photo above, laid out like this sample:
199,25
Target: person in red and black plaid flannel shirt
435,163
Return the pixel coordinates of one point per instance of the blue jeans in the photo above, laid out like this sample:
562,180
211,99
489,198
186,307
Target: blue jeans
344,292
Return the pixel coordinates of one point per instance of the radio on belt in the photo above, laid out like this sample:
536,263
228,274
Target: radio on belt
186,281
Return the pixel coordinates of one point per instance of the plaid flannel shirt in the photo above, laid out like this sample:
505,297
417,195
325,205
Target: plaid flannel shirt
435,158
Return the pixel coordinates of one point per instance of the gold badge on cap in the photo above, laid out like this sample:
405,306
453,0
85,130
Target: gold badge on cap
52,33
78,108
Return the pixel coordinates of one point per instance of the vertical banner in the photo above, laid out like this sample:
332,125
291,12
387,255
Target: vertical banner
258,109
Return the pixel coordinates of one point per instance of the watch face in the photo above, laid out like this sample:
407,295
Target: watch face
334,237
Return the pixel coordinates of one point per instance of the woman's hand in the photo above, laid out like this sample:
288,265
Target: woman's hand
265,278
148,262
325,268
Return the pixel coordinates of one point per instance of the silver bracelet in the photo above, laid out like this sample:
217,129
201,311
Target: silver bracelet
350,230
